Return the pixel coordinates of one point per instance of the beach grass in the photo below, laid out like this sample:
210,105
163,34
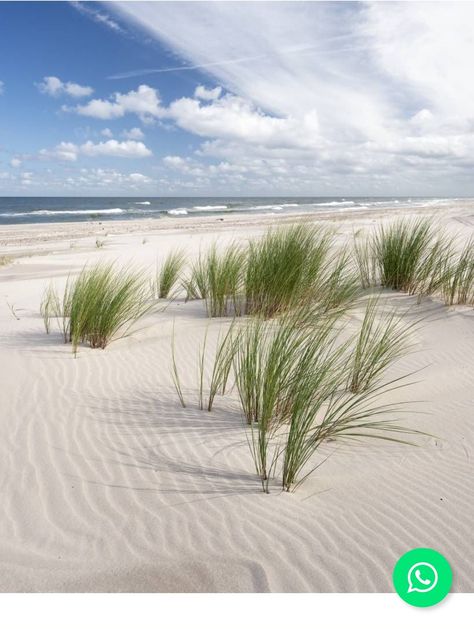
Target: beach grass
269,360
175,373
222,364
98,305
292,376
338,285
195,285
400,250
329,414
417,257
169,274
5,260
223,280
383,338
457,283
365,260
283,268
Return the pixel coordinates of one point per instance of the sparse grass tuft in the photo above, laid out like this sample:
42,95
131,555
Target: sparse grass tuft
457,285
223,281
4,260
271,364
291,375
97,306
338,285
196,284
365,260
223,358
175,373
169,274
381,341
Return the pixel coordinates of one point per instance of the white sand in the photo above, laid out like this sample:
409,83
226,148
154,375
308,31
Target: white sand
107,484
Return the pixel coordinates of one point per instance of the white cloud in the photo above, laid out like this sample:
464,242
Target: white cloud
98,16
174,161
138,178
232,117
97,108
66,151
26,178
15,162
107,133
128,148
53,86
133,134
207,94
69,151
2,87
144,102
332,96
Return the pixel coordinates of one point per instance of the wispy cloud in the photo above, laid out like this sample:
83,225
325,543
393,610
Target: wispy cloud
183,68
101,17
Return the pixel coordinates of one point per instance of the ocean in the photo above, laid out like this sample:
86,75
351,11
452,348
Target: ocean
22,210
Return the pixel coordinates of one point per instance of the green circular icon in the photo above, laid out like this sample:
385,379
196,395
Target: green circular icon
422,577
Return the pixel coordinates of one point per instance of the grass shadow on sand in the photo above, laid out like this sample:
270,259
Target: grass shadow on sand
180,451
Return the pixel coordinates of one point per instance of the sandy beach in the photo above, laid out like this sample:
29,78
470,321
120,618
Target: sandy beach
109,485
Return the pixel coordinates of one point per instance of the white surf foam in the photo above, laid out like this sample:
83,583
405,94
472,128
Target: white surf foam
115,210
210,207
335,203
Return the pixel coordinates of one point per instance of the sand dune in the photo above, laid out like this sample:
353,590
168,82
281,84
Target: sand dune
108,484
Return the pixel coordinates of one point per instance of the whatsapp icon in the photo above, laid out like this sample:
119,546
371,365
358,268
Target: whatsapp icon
422,577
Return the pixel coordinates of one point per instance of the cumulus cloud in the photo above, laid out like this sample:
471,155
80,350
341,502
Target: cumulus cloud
128,148
234,118
133,134
15,162
175,161
66,151
107,133
138,178
69,151
2,84
53,86
230,117
144,102
207,94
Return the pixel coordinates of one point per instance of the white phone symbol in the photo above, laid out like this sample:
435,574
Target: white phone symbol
424,581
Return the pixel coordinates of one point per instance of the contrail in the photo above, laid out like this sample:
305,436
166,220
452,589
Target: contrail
295,50
132,73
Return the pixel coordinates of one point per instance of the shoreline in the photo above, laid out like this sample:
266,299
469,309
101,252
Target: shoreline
17,240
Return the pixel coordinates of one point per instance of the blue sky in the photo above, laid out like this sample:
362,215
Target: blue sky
236,98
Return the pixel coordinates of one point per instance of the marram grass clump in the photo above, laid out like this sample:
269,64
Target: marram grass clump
217,278
98,305
457,285
417,257
284,267
223,280
400,249
169,274
383,338
302,383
